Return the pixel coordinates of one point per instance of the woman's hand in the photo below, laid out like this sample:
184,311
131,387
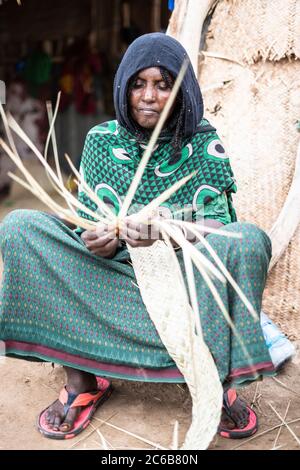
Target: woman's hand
137,234
102,241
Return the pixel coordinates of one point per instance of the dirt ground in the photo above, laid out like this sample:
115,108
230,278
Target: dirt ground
146,410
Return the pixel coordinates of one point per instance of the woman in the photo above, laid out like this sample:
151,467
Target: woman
90,317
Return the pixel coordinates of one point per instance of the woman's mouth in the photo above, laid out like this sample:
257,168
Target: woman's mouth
147,112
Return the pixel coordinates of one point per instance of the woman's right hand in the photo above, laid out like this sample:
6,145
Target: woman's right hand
102,241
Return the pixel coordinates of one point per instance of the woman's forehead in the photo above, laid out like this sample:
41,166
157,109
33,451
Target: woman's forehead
150,73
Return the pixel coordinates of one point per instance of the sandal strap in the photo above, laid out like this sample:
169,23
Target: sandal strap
72,400
229,398
85,399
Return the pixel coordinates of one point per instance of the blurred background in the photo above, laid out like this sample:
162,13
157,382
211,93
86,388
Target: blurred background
74,46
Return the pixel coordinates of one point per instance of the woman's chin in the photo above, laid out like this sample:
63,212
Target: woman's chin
148,123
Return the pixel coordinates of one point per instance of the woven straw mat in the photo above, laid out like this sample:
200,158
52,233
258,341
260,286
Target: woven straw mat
163,292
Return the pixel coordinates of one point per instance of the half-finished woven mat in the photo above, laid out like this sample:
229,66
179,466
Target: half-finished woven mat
164,295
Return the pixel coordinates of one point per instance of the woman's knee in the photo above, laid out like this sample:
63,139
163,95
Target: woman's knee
15,222
253,239
18,217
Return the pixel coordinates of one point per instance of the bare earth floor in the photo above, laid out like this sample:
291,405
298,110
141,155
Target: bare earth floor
147,410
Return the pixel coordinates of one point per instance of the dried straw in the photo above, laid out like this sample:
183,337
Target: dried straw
136,436
175,436
264,432
285,424
279,430
285,386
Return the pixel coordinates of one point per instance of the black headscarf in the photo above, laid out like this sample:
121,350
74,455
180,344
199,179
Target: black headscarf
157,50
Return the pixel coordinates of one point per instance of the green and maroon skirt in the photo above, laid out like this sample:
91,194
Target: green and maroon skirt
60,303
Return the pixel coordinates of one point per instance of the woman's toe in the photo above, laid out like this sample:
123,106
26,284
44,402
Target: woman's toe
66,426
69,420
50,418
57,422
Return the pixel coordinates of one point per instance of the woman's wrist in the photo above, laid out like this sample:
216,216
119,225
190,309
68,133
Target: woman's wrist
188,235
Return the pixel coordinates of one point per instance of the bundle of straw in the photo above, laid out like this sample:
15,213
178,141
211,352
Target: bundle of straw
174,311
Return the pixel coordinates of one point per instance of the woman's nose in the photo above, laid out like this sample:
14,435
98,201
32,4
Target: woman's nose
149,94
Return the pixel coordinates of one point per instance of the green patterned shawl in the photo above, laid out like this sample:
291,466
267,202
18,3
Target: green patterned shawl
111,155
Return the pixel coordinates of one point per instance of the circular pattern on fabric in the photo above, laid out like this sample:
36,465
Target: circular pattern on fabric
204,194
119,155
109,127
144,146
174,162
109,196
215,150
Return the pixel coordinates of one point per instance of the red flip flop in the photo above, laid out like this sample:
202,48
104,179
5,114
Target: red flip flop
89,403
237,433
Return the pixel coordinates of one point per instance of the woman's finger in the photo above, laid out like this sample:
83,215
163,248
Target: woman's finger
138,243
146,232
103,228
107,249
133,225
101,241
89,235
130,233
131,241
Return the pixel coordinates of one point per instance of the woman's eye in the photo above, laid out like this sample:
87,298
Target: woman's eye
163,86
137,85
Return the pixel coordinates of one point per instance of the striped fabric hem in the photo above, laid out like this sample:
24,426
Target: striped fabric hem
116,371
44,353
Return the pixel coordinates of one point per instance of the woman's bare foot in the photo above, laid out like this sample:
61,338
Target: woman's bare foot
238,417
77,382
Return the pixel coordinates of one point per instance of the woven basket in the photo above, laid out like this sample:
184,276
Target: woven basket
256,114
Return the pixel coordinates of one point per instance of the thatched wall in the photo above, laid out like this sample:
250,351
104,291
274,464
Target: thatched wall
256,114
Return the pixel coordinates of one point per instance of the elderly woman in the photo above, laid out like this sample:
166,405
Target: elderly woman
69,296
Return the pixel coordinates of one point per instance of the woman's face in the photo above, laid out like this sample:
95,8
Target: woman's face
148,97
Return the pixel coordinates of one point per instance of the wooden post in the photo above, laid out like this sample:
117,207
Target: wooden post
116,28
186,25
156,16
95,20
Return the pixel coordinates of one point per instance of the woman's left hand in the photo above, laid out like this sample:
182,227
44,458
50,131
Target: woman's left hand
137,234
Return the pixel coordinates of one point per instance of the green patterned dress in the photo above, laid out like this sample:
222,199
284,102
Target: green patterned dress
61,303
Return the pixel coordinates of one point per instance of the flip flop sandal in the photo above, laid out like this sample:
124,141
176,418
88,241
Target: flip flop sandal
88,401
237,433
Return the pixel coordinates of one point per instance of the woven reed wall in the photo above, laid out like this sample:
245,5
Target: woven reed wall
256,114
250,30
